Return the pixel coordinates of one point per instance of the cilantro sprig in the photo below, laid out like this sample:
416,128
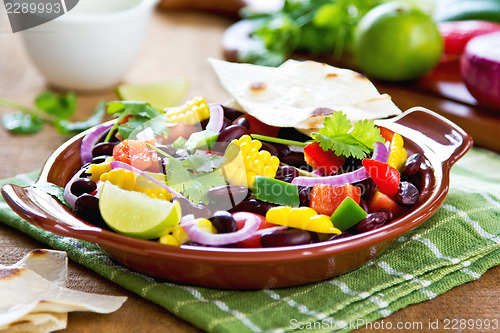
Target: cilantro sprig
140,115
345,139
193,174
48,108
193,185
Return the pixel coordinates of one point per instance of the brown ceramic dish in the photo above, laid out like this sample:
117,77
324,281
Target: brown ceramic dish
441,142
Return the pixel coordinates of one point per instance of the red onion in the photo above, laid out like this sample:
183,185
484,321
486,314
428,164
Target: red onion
125,166
89,141
69,197
146,134
216,118
192,230
380,153
480,69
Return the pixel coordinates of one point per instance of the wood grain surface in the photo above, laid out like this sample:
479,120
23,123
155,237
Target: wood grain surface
177,45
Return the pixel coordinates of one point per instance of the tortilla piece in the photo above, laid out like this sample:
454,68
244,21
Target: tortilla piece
301,94
39,323
50,264
24,292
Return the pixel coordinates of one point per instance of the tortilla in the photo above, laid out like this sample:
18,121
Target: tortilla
33,296
301,94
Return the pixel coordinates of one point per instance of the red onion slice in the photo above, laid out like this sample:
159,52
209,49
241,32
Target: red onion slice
125,166
69,197
192,230
89,141
216,118
380,153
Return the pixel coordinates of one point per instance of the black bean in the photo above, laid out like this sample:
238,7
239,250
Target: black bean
223,221
270,148
294,159
254,206
242,121
87,207
390,215
288,237
283,150
412,165
363,204
226,122
187,207
351,164
231,114
304,195
228,196
100,159
286,173
366,186
82,186
372,221
343,234
230,133
103,148
407,194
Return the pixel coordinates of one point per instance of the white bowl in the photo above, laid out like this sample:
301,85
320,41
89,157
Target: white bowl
92,46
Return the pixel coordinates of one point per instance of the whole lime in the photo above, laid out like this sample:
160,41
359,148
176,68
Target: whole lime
396,42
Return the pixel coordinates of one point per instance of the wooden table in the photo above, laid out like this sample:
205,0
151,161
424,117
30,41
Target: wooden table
177,45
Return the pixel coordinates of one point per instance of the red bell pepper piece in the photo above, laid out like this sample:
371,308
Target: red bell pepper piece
326,162
326,198
384,176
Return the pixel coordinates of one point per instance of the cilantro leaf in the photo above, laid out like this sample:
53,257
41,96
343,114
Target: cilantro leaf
60,106
66,127
140,115
346,140
193,186
202,162
21,123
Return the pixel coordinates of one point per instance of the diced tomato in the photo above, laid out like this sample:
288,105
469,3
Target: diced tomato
387,134
384,176
326,198
137,154
456,34
255,240
327,162
257,126
379,200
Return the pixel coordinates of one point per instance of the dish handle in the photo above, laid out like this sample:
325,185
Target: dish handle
44,211
447,141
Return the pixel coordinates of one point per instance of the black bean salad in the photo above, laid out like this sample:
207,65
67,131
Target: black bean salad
207,175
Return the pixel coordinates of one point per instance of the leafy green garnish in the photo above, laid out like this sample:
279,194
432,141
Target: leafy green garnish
21,123
60,106
346,140
48,108
202,162
141,114
192,185
314,26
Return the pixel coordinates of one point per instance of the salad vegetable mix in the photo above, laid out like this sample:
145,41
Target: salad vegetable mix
198,175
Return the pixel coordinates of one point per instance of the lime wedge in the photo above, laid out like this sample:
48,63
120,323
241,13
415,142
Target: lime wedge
135,214
159,94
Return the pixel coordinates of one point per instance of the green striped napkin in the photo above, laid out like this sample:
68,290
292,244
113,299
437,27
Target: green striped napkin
458,244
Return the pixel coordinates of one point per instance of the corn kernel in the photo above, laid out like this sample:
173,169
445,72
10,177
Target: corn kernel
169,240
191,112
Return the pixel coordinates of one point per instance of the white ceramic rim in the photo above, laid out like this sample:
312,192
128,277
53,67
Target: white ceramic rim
119,15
